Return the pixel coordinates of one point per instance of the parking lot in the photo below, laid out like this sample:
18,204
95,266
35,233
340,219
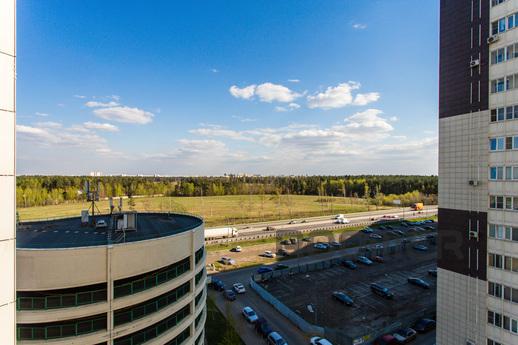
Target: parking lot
370,312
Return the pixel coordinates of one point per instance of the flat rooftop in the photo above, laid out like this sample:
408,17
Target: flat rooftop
69,233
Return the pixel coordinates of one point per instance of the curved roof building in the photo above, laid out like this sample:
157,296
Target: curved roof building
140,279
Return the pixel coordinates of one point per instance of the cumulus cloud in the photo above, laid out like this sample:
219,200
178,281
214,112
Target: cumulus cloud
244,119
41,114
268,92
108,127
246,92
80,96
214,70
340,96
294,80
124,114
95,104
59,136
49,124
369,121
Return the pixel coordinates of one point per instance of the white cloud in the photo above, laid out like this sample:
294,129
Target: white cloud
49,124
125,114
294,80
366,98
95,104
214,70
359,26
41,114
108,127
268,92
246,92
290,107
80,96
59,136
369,121
341,96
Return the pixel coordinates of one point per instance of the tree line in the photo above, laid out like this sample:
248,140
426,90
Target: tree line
52,190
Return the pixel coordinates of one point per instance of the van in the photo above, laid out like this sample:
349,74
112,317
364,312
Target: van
275,338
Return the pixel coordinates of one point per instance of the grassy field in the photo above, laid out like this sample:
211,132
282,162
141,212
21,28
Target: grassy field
218,210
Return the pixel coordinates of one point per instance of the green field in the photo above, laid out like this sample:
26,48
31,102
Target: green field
218,210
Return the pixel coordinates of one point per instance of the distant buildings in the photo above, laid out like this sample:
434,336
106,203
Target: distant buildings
477,297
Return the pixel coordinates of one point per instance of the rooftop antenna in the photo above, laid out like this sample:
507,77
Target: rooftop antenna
92,195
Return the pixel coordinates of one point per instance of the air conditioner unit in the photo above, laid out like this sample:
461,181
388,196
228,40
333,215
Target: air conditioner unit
492,39
474,63
473,182
473,235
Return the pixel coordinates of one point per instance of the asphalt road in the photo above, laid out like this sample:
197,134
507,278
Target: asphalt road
278,322
320,222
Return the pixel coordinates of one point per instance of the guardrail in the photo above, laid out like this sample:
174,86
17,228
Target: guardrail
282,233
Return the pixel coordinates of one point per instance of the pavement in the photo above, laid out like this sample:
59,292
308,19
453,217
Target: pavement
278,322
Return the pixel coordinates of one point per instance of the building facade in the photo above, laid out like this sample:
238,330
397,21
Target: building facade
82,284
477,297
7,170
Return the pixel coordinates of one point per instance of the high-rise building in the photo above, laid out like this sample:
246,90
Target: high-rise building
120,279
478,173
7,170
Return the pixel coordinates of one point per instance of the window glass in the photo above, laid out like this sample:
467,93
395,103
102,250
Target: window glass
508,143
510,52
509,113
500,144
500,85
507,293
500,202
507,323
493,115
509,171
515,142
499,173
492,230
509,82
500,54
514,296
493,57
498,290
515,234
492,144
515,173
501,25
514,326
507,263
492,173
510,22
491,288
515,45
498,320
515,264
508,203
492,201
501,113
499,232
490,317
494,28
508,231
515,203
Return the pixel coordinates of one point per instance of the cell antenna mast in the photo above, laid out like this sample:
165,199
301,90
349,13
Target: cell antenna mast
92,196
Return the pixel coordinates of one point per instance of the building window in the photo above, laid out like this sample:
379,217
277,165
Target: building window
494,3
61,329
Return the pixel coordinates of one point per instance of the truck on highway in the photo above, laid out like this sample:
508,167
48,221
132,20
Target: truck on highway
216,233
418,206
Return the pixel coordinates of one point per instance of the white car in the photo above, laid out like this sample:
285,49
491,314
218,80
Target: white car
228,261
338,216
342,221
250,315
239,288
101,223
319,341
237,249
269,254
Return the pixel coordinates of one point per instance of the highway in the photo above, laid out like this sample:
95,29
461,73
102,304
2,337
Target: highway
278,322
315,223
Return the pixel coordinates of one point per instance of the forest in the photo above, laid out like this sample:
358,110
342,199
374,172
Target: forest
55,190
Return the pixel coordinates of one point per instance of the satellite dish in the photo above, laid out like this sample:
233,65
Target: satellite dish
310,308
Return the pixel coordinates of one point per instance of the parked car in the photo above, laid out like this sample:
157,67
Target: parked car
342,297
269,254
424,325
283,252
239,288
321,246
364,260
292,222
236,249
349,264
100,224
250,315
418,282
264,269
262,327
428,227
281,267
405,335
306,239
367,231
286,242
270,228
432,272
378,258
381,291
217,284
387,339
335,244
228,260
399,232
293,240
230,295
389,227
421,247
275,338
303,221
319,341
376,236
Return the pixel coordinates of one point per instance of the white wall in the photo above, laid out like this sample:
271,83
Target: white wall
7,171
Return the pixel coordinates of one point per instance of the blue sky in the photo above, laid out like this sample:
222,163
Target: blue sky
213,87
